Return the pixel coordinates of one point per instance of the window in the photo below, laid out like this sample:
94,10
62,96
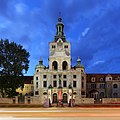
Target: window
66,46
54,83
37,70
44,76
102,95
36,78
64,65
64,83
44,83
101,79
74,76
64,76
93,86
36,84
82,78
115,95
82,84
74,84
82,71
92,79
31,81
110,78
55,65
54,76
36,93
53,46
102,85
83,93
115,86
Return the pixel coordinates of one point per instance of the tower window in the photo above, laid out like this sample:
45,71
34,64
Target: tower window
66,46
53,46
64,65
55,65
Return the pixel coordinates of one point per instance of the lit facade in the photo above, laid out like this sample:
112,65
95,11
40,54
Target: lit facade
60,81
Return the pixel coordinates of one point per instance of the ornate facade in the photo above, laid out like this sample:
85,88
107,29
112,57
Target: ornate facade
60,81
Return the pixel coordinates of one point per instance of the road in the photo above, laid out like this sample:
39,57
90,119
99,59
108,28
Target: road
60,113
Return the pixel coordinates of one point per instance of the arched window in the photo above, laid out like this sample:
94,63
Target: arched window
115,86
102,95
54,98
64,65
55,65
64,98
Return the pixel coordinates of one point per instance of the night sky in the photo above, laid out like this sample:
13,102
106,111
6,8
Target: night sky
92,27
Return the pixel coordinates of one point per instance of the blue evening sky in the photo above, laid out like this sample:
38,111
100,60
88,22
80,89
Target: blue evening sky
92,27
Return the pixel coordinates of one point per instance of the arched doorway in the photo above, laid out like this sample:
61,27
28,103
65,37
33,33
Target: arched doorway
54,98
101,95
64,98
64,65
54,65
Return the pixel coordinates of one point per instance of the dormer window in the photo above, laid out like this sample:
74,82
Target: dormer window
92,79
101,79
110,78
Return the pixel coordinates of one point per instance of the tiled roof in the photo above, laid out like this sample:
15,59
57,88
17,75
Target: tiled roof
99,77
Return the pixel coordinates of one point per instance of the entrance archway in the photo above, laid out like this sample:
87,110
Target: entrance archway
54,98
64,98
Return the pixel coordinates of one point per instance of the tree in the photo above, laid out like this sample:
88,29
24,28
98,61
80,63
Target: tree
14,63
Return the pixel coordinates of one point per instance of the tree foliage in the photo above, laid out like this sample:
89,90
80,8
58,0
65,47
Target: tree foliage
14,63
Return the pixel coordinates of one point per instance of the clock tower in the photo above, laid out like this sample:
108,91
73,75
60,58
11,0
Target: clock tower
59,57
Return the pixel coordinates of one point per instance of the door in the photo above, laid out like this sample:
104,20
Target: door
64,98
54,98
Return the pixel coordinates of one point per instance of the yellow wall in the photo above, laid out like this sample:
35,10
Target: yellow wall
27,89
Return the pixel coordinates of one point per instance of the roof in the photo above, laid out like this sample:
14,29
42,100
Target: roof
28,79
101,77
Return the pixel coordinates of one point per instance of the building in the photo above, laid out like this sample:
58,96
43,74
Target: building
60,81
103,86
27,88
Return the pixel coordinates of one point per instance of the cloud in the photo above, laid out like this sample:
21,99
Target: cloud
92,26
84,33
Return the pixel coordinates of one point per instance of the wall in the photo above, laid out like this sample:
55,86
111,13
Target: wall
6,100
110,100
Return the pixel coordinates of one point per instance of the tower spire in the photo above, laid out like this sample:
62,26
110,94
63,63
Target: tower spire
60,29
